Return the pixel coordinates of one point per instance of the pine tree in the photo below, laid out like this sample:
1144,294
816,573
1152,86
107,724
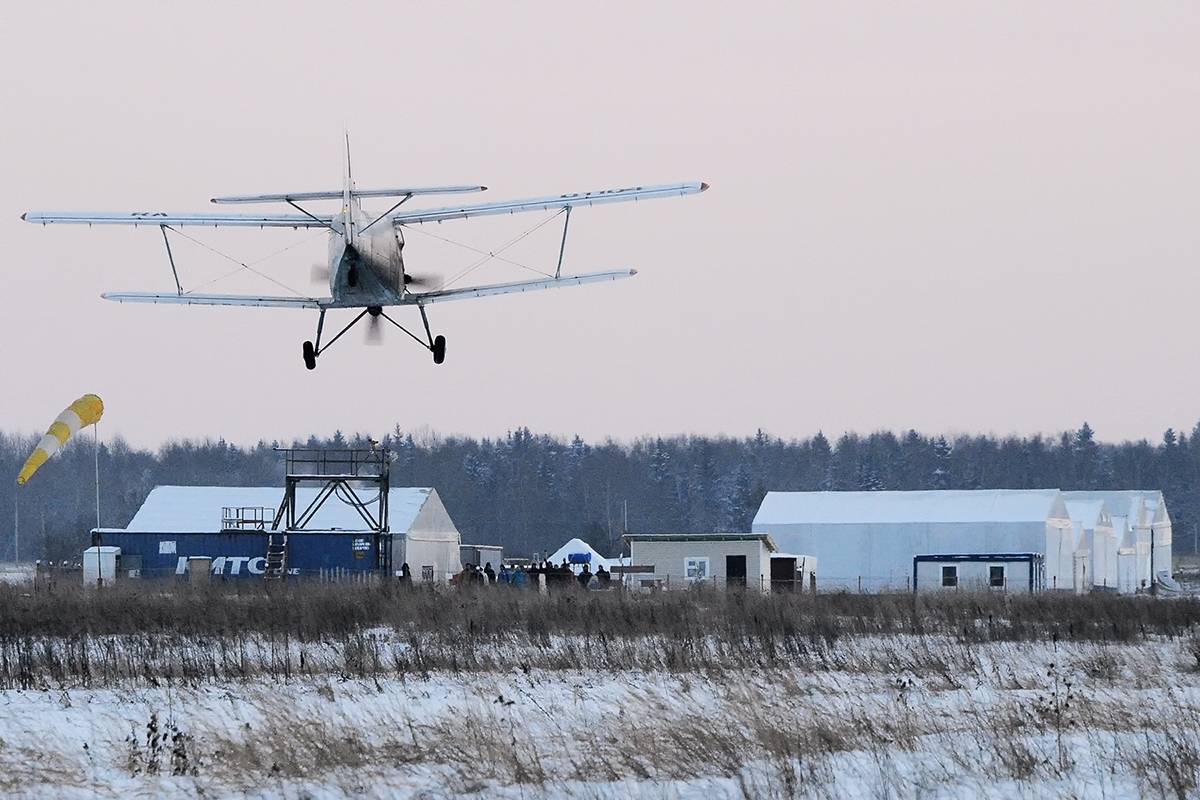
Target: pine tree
1086,457
940,478
822,457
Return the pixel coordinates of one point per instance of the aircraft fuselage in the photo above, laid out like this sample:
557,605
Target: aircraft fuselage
366,264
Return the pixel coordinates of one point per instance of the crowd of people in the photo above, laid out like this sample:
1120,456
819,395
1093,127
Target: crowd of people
533,576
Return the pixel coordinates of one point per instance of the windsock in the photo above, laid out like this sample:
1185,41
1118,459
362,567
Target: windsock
85,411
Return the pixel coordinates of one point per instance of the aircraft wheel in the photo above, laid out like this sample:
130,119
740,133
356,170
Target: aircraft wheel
439,349
310,356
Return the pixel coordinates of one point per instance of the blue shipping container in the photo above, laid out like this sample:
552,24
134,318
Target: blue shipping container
242,554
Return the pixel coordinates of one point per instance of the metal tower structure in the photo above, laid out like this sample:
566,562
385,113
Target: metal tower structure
358,478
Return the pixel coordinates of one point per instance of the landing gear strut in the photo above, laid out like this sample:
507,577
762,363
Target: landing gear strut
434,344
437,345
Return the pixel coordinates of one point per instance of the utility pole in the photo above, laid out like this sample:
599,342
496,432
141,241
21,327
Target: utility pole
608,506
1153,581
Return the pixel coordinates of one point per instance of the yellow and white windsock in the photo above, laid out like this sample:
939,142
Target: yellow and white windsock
85,411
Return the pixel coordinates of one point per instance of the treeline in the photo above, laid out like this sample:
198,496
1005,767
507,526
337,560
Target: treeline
532,492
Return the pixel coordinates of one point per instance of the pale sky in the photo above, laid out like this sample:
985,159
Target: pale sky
950,216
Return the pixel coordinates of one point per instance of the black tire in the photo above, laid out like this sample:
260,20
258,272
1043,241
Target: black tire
310,356
439,349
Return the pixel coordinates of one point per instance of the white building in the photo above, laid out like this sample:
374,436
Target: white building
868,540
1142,530
423,534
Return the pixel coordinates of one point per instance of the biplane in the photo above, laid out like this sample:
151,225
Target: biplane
366,269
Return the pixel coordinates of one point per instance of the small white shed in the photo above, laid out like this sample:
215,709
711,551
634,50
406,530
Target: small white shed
100,565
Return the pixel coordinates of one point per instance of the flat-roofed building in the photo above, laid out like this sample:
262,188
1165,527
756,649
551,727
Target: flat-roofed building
724,560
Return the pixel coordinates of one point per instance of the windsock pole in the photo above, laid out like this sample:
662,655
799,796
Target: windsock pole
96,431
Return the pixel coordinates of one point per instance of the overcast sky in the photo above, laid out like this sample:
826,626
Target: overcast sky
950,216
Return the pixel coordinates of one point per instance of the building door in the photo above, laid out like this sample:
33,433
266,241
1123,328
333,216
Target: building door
735,571
783,575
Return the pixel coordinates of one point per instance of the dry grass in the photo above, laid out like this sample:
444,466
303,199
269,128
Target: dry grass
309,610
149,632
902,694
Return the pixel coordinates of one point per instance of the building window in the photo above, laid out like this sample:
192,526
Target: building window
950,576
427,573
996,576
695,568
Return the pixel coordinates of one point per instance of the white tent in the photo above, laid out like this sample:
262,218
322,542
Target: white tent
423,534
868,540
580,546
1140,519
1095,545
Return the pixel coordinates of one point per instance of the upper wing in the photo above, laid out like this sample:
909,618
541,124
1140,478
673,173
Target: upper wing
548,203
217,300
441,295
165,218
338,195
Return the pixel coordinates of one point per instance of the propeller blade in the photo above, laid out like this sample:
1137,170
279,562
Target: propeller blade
420,281
319,273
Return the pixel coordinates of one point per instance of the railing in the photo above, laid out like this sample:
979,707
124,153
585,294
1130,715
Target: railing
246,518
371,463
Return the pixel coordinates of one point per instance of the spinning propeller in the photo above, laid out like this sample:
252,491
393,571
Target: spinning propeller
319,274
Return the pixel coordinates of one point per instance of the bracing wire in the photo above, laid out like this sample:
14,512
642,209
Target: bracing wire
241,264
489,255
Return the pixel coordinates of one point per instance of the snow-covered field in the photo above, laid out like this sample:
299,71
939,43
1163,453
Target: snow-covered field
867,716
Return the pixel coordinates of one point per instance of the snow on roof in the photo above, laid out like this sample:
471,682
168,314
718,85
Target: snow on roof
982,505
197,509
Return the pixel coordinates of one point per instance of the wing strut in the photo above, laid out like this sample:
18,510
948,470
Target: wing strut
171,258
562,248
388,213
318,220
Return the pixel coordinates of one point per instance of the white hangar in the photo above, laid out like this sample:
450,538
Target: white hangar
1016,539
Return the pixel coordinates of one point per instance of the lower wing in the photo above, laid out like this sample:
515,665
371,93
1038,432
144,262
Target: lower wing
218,300
409,298
442,295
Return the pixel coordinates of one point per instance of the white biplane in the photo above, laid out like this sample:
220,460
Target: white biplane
366,263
